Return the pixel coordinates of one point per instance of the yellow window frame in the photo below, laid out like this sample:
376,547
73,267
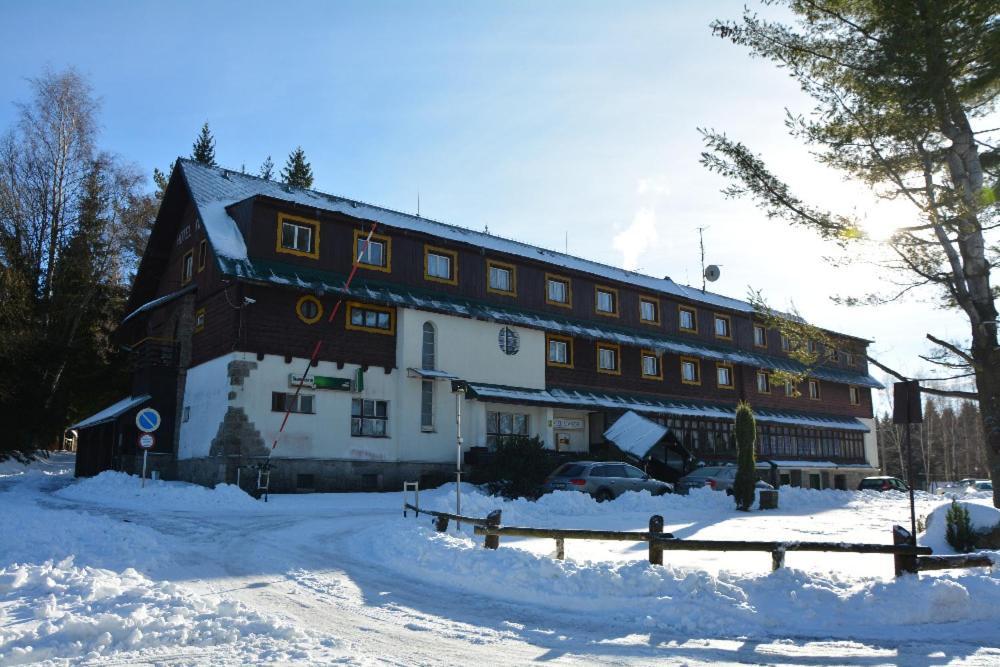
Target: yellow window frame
187,277
642,366
617,349
732,376
200,313
569,350
351,305
309,298
490,263
755,343
297,220
451,254
656,307
819,395
386,242
697,370
569,290
613,291
694,318
729,325
756,382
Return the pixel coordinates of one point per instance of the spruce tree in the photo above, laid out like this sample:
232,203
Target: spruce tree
297,171
267,169
746,475
203,150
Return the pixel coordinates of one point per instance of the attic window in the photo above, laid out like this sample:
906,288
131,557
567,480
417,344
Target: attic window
187,267
298,236
202,254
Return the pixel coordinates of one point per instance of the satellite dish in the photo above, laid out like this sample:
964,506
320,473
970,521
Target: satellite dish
712,273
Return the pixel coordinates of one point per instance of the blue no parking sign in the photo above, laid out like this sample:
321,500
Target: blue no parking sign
147,420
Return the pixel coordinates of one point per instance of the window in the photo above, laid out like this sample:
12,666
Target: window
724,376
786,343
187,267
790,389
723,326
813,347
560,351
557,291
369,418
427,348
440,265
759,335
606,301
849,358
763,382
649,310
502,278
301,404
687,319
500,424
427,406
202,254
855,395
298,236
199,320
651,368
375,254
364,317
814,389
690,370
608,358
309,309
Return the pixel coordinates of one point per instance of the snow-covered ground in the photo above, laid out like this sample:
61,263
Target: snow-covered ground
99,570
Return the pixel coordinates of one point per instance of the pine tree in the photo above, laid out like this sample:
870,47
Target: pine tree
203,150
267,169
746,476
297,172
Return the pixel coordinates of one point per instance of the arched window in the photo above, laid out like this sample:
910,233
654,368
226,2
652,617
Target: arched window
427,362
428,350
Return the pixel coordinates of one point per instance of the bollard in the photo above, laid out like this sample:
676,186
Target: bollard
492,521
655,550
904,564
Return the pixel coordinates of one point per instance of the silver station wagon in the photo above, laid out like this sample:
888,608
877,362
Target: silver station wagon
603,480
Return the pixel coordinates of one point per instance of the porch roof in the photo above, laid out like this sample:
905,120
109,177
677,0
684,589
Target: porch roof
111,412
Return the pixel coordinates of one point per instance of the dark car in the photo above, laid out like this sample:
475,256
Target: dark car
603,480
883,484
719,478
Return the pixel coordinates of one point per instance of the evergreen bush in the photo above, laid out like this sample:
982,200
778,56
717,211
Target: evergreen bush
518,467
746,475
960,534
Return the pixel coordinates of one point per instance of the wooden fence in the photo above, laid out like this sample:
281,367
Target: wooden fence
907,558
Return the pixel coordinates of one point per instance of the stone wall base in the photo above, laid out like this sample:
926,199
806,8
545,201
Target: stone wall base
315,475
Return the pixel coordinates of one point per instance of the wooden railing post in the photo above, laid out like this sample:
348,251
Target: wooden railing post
492,521
777,559
441,524
904,564
560,549
655,548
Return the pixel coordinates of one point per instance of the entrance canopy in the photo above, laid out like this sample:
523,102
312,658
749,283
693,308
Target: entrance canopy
111,412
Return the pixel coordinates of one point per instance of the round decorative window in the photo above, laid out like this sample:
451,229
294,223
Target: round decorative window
309,309
510,341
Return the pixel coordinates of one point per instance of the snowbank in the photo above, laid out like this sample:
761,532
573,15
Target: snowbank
982,515
61,611
118,489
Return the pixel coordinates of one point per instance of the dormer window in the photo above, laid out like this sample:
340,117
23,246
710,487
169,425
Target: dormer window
298,236
606,301
372,252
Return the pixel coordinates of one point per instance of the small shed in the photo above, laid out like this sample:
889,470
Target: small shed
102,437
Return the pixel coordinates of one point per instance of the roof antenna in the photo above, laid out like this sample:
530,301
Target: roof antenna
701,244
567,243
418,203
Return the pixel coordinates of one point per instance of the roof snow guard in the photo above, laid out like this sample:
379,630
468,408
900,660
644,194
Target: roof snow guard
284,275
110,412
675,407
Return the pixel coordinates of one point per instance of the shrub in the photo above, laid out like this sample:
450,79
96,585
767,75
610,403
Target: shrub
959,532
518,467
746,475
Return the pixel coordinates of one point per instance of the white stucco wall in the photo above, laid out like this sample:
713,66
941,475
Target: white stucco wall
871,443
206,391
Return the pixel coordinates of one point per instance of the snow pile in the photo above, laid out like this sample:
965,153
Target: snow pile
61,611
119,489
982,515
675,599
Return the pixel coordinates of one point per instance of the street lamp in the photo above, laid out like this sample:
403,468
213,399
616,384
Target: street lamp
459,389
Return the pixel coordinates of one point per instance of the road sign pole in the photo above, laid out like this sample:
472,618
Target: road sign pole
145,453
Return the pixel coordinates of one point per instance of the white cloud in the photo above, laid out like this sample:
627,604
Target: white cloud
654,185
638,238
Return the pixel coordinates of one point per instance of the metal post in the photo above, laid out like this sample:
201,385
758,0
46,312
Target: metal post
145,452
909,474
458,455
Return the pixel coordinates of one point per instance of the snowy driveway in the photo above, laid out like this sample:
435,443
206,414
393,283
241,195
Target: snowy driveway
219,578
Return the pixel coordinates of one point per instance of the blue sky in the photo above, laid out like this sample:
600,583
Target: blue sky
556,123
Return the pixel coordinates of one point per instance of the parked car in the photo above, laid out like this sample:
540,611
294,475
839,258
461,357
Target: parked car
603,480
720,478
983,485
882,484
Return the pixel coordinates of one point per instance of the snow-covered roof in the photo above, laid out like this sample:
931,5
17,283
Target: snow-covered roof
110,412
635,434
159,301
214,189
400,296
676,407
430,374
